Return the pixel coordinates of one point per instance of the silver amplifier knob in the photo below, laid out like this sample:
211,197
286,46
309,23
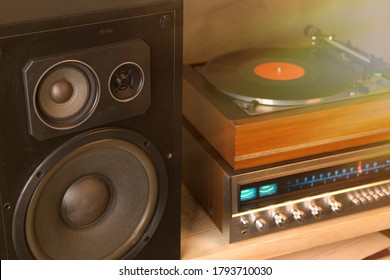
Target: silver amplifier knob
316,210
280,219
244,221
298,215
335,205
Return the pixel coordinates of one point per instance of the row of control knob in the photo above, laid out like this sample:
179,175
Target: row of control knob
303,211
298,215
312,209
281,220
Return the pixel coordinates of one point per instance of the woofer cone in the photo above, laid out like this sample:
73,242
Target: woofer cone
99,196
66,94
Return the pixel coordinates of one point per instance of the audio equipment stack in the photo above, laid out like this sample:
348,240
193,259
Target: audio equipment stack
90,95
285,137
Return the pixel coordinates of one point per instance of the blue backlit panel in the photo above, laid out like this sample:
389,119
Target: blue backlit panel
268,190
316,181
248,194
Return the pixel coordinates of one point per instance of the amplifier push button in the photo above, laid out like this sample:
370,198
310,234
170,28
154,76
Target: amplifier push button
261,224
382,195
355,201
363,200
369,198
376,196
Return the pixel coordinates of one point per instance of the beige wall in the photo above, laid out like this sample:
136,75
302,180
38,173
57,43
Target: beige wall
213,27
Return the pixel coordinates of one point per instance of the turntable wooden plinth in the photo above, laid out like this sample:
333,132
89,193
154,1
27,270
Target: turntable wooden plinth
250,141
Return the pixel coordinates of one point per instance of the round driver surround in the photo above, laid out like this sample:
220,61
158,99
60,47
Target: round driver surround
66,94
119,231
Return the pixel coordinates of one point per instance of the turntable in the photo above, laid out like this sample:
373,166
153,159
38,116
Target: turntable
284,137
261,106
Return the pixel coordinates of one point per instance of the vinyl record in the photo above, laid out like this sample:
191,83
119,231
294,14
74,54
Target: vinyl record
279,76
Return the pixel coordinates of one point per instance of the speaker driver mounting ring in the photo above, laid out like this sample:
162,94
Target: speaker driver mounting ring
126,81
93,184
66,94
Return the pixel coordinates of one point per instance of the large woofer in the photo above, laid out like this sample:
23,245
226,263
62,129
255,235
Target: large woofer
66,94
100,195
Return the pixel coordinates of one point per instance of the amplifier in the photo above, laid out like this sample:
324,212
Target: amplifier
271,198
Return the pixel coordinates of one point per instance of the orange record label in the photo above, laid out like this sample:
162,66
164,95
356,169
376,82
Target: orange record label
280,71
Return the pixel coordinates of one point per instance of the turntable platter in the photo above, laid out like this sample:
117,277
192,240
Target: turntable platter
279,76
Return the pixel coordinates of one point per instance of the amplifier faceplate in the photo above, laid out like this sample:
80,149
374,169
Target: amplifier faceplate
308,210
217,187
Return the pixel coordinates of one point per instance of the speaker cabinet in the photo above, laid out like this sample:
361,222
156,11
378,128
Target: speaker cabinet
90,109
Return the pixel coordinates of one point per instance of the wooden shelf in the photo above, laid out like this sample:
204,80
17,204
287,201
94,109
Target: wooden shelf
202,240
